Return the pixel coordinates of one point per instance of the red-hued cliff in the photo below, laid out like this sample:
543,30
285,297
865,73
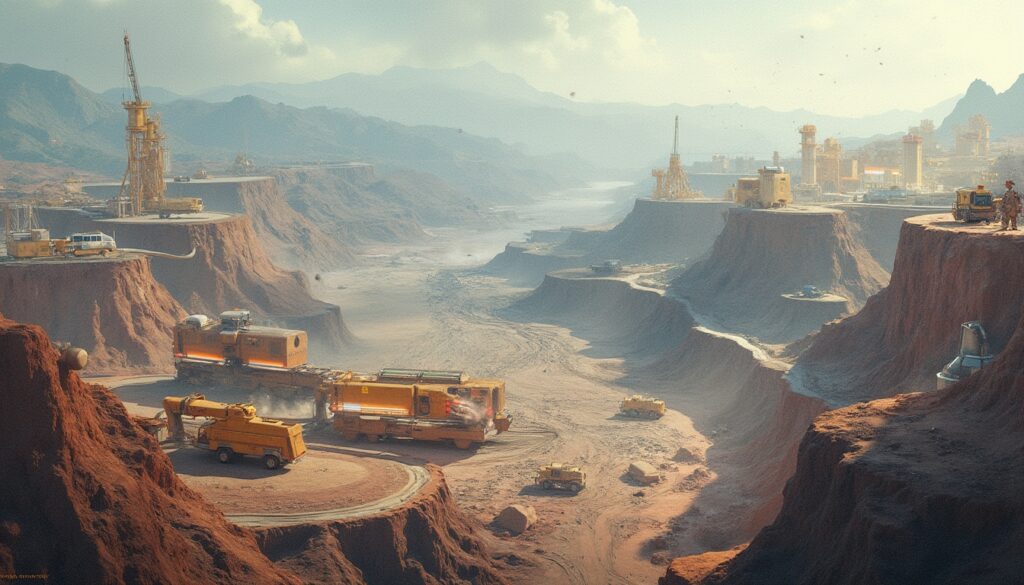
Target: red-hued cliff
291,239
425,541
945,274
762,254
87,496
113,308
919,488
231,270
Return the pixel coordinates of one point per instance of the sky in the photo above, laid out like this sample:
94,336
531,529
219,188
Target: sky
848,57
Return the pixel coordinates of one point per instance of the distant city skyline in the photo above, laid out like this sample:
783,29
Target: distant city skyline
848,58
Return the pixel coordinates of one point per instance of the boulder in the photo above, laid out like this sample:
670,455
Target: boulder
516,518
644,472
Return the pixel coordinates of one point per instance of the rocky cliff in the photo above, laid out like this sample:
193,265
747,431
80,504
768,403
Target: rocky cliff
113,308
290,238
945,274
735,393
353,204
877,227
423,542
762,254
653,232
609,311
231,269
87,496
919,488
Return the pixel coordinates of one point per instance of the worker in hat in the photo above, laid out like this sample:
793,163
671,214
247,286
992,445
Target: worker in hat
1010,208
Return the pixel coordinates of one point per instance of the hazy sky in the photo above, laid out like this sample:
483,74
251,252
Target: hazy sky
848,57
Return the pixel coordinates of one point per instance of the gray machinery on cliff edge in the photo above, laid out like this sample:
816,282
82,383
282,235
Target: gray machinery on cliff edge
974,355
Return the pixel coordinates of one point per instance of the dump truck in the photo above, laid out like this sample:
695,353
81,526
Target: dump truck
168,206
419,404
561,476
234,430
974,205
641,406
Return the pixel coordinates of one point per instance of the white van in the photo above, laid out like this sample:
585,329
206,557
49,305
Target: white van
83,244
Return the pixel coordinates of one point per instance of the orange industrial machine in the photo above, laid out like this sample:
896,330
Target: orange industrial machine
234,430
419,404
234,340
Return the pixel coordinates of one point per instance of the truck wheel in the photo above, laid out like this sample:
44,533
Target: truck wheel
575,488
463,443
225,455
271,461
546,485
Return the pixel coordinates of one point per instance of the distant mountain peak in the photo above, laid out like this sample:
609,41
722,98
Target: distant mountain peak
979,88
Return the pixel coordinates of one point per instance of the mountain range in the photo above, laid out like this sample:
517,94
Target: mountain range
46,116
481,100
1004,111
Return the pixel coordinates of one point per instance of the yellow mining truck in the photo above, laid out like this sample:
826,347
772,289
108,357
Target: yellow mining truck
973,205
419,404
640,406
234,430
561,476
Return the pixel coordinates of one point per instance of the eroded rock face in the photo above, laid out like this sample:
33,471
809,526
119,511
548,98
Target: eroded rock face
945,274
114,309
762,254
653,232
88,496
914,488
919,488
231,270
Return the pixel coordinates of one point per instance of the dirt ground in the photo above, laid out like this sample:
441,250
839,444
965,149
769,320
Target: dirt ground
419,308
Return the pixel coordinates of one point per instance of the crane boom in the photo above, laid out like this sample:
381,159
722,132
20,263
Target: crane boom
131,70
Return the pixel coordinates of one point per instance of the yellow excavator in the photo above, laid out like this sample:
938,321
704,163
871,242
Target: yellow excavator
234,430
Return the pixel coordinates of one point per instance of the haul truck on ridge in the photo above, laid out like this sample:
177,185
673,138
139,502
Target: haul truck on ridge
418,404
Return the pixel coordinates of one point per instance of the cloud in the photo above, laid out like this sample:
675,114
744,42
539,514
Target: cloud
282,35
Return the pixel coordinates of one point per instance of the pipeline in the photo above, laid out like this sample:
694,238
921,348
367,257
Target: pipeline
188,256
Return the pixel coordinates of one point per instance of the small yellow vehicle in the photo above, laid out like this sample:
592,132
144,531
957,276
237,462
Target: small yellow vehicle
973,205
640,406
561,476
234,430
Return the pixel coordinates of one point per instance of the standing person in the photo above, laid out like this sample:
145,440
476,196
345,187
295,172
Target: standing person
1010,207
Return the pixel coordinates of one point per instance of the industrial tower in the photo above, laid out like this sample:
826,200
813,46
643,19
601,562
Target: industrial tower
913,161
808,187
671,184
142,187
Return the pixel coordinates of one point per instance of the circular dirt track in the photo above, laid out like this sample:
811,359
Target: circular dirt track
330,482
322,486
